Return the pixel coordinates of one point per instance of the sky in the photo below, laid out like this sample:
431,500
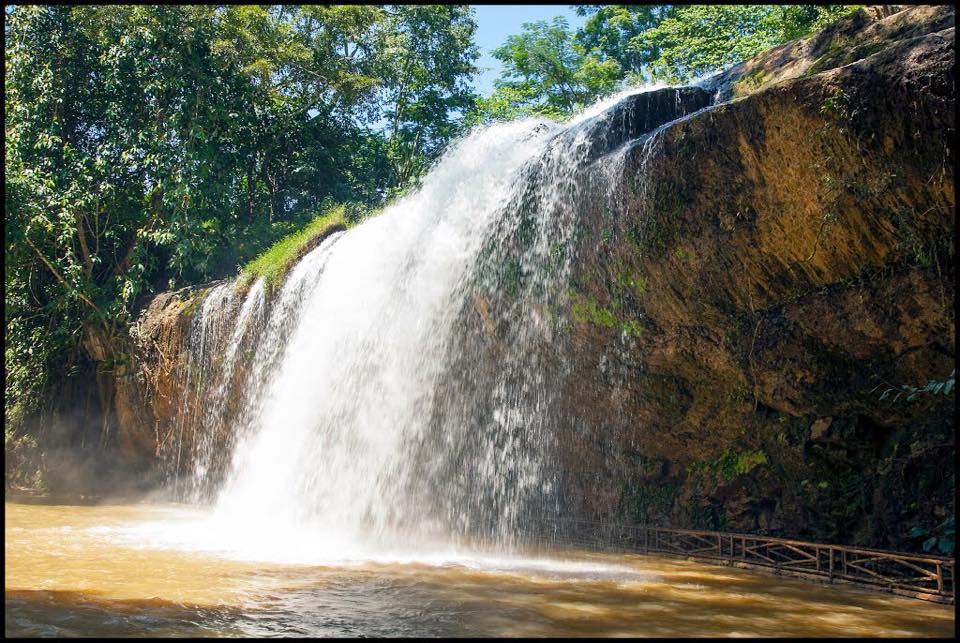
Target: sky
496,22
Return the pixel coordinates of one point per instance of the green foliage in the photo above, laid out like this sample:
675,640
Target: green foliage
634,284
586,311
729,465
425,63
545,72
273,263
920,243
154,146
633,328
626,286
549,71
942,536
823,484
837,105
744,462
611,30
696,39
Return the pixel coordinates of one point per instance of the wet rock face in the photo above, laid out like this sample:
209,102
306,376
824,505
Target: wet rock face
151,394
642,113
779,260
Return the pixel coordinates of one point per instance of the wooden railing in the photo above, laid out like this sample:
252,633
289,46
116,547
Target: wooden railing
923,576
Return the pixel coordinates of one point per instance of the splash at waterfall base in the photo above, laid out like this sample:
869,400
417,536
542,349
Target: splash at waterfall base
105,570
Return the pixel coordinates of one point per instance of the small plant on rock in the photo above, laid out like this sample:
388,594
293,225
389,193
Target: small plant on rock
932,387
941,536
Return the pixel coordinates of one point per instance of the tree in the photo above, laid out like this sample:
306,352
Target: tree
426,57
610,28
549,71
155,146
545,72
692,40
114,122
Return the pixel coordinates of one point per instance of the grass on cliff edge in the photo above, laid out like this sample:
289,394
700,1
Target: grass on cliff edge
274,262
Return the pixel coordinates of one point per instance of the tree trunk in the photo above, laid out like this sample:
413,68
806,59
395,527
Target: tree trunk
251,187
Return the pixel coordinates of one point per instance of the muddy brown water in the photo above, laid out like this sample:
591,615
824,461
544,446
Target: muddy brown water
68,574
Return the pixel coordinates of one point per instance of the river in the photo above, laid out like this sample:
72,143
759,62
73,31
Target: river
94,570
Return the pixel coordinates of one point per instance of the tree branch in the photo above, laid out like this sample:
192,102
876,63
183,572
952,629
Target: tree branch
84,248
63,281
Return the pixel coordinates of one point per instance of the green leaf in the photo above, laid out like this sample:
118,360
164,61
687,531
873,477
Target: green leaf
929,543
916,532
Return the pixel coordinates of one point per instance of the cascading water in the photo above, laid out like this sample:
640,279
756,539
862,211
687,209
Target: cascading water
338,429
401,386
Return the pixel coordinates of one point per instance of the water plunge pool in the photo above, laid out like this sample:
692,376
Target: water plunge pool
119,570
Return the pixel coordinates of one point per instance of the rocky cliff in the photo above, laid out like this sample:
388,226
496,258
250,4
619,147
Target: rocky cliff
780,261
776,264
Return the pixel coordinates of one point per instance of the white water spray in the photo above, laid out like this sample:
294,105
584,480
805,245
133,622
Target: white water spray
400,385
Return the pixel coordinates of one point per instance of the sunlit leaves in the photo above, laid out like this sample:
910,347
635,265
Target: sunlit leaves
152,146
545,72
692,40
548,70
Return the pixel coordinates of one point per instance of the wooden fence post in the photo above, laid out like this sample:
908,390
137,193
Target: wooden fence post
872,567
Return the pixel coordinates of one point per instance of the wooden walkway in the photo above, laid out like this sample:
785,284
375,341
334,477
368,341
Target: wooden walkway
922,576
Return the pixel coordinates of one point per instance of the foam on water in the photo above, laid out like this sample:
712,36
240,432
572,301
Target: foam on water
203,533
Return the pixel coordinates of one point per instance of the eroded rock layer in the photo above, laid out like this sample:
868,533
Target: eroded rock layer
779,262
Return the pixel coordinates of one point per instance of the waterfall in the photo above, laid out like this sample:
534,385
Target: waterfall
401,386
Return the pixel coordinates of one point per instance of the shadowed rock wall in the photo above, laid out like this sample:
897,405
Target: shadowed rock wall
778,263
